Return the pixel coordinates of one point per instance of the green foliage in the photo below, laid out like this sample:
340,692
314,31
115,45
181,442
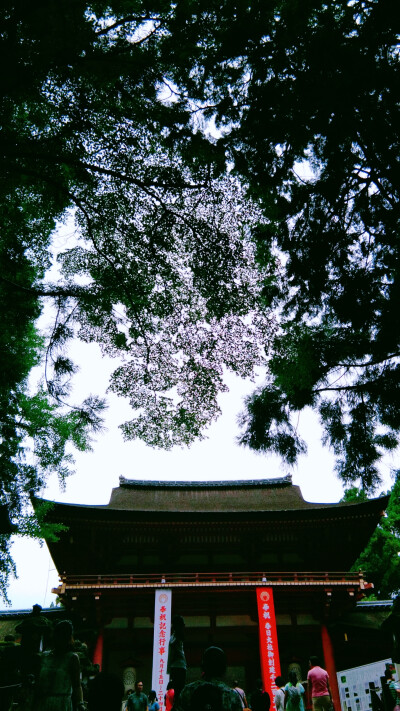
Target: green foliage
104,116
380,561
161,271
173,289
354,494
267,419
35,434
307,95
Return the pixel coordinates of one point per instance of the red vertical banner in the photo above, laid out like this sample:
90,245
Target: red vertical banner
269,653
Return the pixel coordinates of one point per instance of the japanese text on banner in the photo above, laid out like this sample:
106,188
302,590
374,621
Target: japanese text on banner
269,653
162,630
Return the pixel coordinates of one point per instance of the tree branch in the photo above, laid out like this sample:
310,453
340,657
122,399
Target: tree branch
370,363
71,291
340,388
125,20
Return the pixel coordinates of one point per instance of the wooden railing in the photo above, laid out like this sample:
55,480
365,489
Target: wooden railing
219,579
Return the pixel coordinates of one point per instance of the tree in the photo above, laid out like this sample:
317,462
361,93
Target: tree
169,278
34,433
161,272
380,560
106,110
307,98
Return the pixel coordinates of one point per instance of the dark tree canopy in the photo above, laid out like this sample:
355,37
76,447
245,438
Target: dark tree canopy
308,94
161,272
106,111
380,559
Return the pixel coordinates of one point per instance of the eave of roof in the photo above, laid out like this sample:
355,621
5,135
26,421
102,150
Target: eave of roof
374,604
16,614
255,499
368,614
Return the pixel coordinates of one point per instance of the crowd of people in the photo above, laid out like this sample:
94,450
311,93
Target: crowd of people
48,670
211,693
53,679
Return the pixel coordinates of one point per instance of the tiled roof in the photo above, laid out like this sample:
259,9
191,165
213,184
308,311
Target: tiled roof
205,496
272,498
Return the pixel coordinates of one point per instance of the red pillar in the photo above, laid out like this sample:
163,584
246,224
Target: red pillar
330,666
98,650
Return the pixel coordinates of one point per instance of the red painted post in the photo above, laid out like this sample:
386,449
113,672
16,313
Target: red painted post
98,650
330,666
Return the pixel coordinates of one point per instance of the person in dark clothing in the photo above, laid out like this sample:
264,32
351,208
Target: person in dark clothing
10,676
35,630
391,628
105,693
210,693
176,664
137,701
260,699
390,690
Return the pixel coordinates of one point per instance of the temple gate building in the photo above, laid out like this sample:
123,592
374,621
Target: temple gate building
213,545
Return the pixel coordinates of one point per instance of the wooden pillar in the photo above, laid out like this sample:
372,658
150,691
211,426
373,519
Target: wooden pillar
98,650
330,666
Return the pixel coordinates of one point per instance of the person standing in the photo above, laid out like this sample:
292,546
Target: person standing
137,701
153,703
318,680
176,664
105,692
10,671
169,697
35,630
294,693
260,699
390,690
210,692
59,684
240,692
391,627
279,695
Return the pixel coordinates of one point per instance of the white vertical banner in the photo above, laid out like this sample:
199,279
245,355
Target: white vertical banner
162,633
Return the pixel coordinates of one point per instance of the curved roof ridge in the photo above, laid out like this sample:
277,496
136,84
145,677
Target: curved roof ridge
194,484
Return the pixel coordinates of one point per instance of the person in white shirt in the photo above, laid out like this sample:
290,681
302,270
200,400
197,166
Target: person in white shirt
279,694
241,694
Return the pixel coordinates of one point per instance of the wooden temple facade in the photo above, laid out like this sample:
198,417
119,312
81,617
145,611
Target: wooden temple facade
213,544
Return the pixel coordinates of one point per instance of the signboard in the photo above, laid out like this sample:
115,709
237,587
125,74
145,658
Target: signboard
162,633
269,653
357,685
